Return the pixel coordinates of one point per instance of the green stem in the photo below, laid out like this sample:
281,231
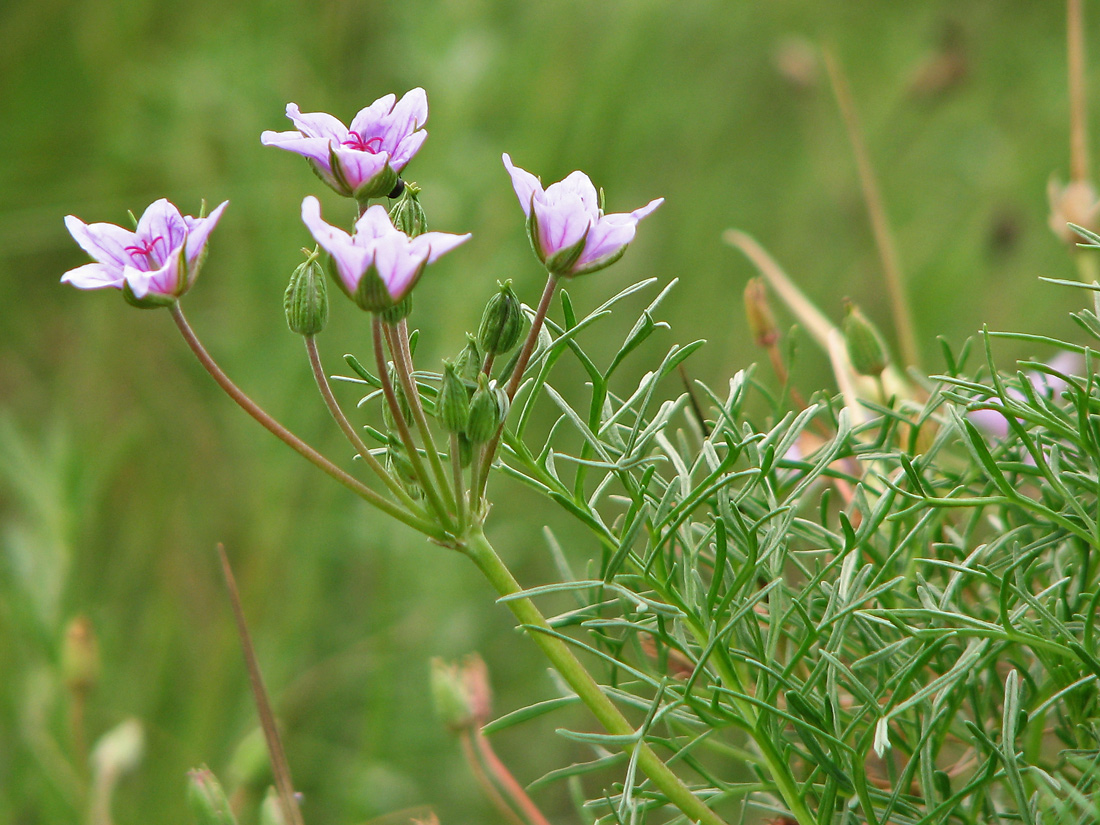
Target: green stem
349,432
291,440
422,476
399,341
478,492
478,548
460,488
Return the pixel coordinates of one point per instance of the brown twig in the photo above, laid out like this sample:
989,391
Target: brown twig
280,768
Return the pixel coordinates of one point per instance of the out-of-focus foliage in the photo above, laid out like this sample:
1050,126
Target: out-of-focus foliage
120,467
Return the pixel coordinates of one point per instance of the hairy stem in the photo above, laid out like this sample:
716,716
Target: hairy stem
350,433
422,476
291,440
478,548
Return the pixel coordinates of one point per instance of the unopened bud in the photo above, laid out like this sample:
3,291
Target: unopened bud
271,811
468,363
207,799
449,696
80,656
453,404
398,464
1075,203
407,214
488,408
866,349
502,322
306,298
119,750
759,314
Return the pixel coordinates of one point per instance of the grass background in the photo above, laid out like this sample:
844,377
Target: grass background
121,467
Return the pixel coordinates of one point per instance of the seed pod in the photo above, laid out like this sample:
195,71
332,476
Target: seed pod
866,349
501,322
407,214
305,301
488,408
468,363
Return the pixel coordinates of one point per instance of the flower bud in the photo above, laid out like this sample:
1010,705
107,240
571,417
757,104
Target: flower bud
502,322
759,314
488,408
866,349
468,363
453,404
1075,203
306,298
80,656
461,692
271,811
407,214
207,799
119,750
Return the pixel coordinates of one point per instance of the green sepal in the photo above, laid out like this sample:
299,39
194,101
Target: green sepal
150,301
600,263
379,186
397,312
453,404
561,262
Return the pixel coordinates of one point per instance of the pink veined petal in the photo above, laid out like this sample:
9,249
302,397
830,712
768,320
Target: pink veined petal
316,124
359,167
561,224
94,276
606,238
368,122
162,281
406,149
435,245
389,254
163,229
351,261
579,184
105,242
524,183
404,274
411,111
199,229
374,223
647,209
315,149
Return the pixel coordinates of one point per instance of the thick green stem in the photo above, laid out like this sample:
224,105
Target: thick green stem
349,432
291,440
422,476
478,548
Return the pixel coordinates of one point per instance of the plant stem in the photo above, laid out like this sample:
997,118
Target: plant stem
1078,102
403,428
291,440
460,488
399,340
280,768
350,433
880,226
478,548
477,491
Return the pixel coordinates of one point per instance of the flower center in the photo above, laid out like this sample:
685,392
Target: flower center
356,141
146,249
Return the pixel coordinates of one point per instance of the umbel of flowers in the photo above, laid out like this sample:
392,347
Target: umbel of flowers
378,264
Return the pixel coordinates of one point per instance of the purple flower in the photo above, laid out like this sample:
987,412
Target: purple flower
992,421
154,265
362,161
569,231
378,265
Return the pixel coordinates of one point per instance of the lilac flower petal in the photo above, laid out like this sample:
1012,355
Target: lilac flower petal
647,209
198,231
162,228
315,149
606,238
351,261
525,184
411,111
369,120
406,149
104,242
387,260
94,276
580,185
162,281
317,124
991,422
561,224
358,167
403,274
437,244
372,224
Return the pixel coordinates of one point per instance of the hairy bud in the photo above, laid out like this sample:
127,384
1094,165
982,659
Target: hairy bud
407,214
488,408
502,322
306,298
453,404
80,656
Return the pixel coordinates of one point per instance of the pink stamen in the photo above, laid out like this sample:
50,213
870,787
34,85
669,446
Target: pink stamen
146,248
354,140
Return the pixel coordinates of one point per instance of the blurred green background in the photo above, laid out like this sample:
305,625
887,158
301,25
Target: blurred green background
121,466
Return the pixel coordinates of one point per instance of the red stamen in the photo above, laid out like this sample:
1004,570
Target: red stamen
146,248
356,141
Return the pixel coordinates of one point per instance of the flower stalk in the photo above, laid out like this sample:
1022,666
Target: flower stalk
287,437
482,553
